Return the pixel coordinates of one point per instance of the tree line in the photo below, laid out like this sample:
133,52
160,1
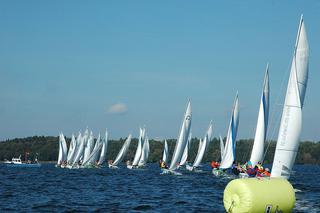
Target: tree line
47,148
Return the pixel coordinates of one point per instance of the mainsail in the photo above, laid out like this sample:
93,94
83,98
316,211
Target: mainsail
145,153
62,149
186,151
183,137
104,149
71,149
79,151
122,151
290,127
165,152
203,146
88,147
93,157
262,123
230,147
138,154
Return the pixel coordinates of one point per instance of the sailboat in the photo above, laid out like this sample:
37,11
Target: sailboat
145,153
104,149
79,152
262,123
139,150
290,126
203,144
88,147
121,154
91,161
184,158
230,146
71,150
181,142
165,152
62,158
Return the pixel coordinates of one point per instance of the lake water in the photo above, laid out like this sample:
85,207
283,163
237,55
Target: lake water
52,189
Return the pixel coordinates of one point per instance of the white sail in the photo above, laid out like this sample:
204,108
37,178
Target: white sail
145,153
64,148
123,151
60,155
203,146
183,137
138,154
71,149
165,152
74,150
230,147
221,146
96,150
186,151
79,152
88,147
93,157
290,127
104,149
262,123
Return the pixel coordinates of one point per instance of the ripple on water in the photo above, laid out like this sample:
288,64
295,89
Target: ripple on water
52,189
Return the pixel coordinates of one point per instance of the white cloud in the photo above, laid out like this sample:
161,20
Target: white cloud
119,108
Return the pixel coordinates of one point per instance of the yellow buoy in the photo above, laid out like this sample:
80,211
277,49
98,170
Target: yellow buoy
259,195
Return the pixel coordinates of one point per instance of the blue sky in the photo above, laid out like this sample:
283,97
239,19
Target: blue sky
65,64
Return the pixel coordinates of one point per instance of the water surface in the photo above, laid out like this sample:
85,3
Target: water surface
52,189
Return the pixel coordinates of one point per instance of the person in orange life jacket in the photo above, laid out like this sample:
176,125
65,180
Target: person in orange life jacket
265,173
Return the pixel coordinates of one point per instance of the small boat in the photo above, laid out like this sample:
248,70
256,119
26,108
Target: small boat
229,148
203,144
123,151
291,121
139,151
262,123
181,143
17,162
165,152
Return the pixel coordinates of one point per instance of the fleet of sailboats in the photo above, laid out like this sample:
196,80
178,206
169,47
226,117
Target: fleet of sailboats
87,152
84,151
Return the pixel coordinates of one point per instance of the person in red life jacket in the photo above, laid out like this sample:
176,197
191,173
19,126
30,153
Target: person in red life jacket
215,164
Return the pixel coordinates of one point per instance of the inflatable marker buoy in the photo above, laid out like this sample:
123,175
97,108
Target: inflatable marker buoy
259,195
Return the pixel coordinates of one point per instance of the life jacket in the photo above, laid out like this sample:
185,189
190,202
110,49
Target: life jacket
213,164
266,174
